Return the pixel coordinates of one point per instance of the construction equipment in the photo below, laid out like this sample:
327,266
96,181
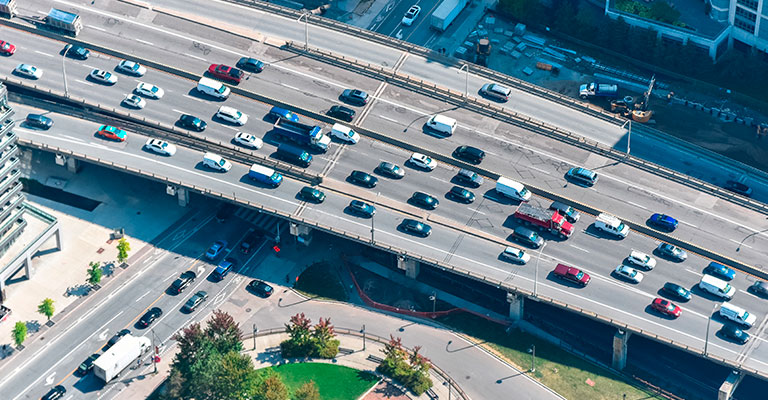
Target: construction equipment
483,50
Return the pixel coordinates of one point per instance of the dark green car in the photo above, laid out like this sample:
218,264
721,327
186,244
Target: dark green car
87,365
460,194
312,194
424,200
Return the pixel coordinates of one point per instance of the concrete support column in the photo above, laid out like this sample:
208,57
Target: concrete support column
516,302
73,165
303,233
729,386
620,340
28,265
183,196
58,239
410,266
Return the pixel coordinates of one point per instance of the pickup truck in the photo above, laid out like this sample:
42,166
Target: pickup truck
571,274
595,89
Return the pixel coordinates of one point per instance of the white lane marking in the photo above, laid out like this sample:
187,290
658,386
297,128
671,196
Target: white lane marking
179,111
140,297
84,82
740,243
73,138
688,223
193,98
144,41
169,276
43,54
579,248
476,211
89,66
194,56
636,205
693,272
389,119
539,169
438,179
291,87
96,28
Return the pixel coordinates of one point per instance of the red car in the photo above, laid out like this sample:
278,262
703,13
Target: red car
111,132
226,73
666,307
7,48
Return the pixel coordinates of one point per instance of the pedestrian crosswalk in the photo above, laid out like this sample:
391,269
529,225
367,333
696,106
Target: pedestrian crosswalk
263,222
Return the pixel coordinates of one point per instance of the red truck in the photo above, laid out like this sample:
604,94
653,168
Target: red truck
571,274
528,214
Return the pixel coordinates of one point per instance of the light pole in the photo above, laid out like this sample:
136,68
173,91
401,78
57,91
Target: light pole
532,350
536,273
709,320
373,216
465,68
363,332
629,133
64,69
255,331
277,236
433,297
306,29
154,352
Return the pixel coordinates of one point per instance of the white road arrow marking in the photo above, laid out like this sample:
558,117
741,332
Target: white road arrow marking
103,335
200,270
49,379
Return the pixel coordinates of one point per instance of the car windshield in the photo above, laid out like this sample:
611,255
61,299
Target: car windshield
163,145
524,192
726,288
579,275
631,273
670,307
534,236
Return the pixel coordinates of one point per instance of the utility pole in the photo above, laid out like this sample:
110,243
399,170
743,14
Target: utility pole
536,273
277,236
532,350
64,69
363,332
709,321
154,353
255,331
433,297
306,29
465,68
629,133
373,216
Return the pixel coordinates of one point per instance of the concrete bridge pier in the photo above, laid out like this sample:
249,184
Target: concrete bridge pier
729,386
409,265
73,165
620,340
302,233
516,302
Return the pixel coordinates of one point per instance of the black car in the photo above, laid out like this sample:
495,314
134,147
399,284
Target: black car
362,209
56,392
582,176
250,64
116,338
676,291
39,121
77,52
194,301
311,194
734,333
150,316
469,178
528,237
460,194
759,288
363,179
185,279
469,154
738,187
86,365
250,241
415,227
355,97
566,211
261,288
391,170
424,200
192,122
342,113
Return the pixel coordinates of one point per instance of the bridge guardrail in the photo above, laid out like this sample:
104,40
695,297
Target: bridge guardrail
395,250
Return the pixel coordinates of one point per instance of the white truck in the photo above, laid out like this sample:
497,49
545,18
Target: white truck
125,352
445,13
213,88
512,189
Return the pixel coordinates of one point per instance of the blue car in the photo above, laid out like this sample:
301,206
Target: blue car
720,271
663,221
278,112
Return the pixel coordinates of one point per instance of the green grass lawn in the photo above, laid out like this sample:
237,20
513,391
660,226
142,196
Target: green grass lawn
334,382
321,280
559,370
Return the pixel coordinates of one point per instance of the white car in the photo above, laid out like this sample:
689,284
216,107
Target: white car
515,255
149,90
134,101
345,133
29,71
422,161
102,76
642,260
629,273
411,15
131,68
248,140
232,115
160,147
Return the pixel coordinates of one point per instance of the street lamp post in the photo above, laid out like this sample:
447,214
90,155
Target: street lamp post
255,331
363,332
373,216
465,68
536,273
532,350
709,321
629,133
64,69
306,29
154,353
433,297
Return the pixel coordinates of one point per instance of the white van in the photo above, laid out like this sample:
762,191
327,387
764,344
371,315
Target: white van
345,133
212,88
216,162
442,124
512,189
609,223
737,314
718,287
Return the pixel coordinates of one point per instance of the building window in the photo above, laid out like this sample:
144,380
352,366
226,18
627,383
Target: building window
751,4
749,16
745,26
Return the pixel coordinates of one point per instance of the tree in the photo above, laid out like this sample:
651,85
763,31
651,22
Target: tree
46,308
323,336
123,247
307,391
94,273
299,344
272,389
664,12
19,333
234,377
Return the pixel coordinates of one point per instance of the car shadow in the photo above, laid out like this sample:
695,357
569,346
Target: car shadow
696,290
202,96
554,278
435,134
591,230
253,182
492,194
